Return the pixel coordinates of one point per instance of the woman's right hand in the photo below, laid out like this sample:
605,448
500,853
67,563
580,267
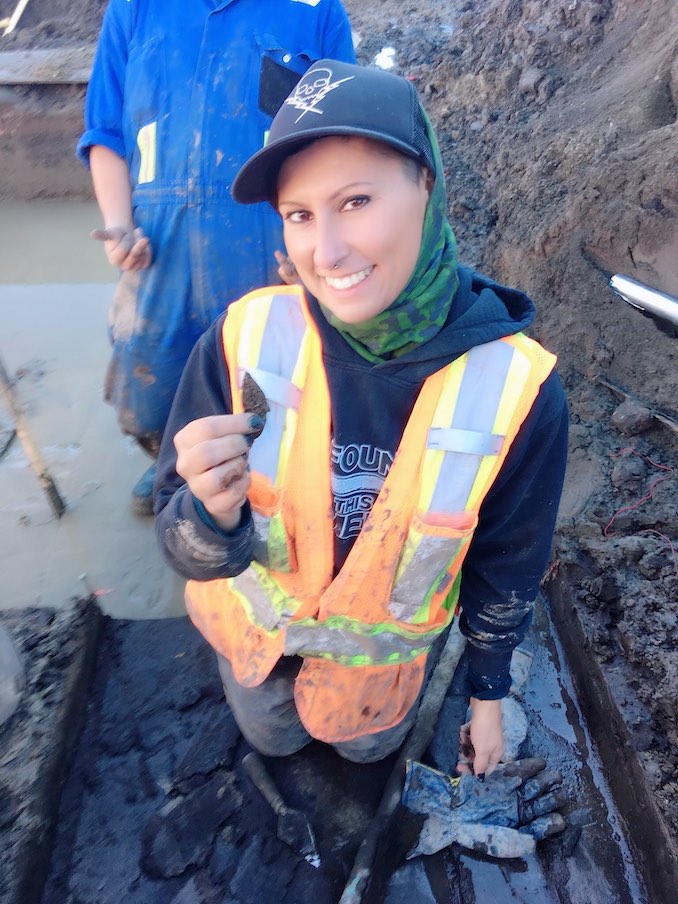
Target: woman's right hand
212,458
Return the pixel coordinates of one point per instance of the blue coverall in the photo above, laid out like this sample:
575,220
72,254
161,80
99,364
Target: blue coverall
185,92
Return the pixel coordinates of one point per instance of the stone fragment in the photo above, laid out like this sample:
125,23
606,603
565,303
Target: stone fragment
604,588
652,563
631,418
628,472
529,80
521,666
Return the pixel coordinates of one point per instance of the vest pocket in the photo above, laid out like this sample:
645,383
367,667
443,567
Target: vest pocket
436,543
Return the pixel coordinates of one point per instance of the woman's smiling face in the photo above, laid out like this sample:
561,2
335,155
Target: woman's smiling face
353,213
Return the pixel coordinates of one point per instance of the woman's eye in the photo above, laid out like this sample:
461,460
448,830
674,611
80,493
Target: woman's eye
356,203
297,216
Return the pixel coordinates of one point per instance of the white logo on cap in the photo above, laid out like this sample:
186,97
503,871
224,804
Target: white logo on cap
314,88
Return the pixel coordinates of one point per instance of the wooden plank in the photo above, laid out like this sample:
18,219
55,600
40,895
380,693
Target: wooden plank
58,65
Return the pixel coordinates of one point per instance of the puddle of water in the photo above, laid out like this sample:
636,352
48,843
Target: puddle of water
48,242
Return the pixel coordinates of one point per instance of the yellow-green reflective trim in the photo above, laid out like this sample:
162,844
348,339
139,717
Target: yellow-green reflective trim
355,661
146,142
349,642
449,603
244,601
278,559
265,604
343,623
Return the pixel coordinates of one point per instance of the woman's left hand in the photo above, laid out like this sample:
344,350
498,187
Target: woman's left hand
481,741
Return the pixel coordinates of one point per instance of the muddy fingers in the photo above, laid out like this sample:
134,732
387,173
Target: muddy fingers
546,804
540,784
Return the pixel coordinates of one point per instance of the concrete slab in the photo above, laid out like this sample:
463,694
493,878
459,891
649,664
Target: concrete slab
53,335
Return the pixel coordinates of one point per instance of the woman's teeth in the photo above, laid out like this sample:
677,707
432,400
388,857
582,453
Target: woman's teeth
347,282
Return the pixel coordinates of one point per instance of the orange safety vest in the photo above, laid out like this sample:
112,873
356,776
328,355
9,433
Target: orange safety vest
365,632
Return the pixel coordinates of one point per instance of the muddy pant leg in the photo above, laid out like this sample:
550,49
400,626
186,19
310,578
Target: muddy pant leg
374,747
266,715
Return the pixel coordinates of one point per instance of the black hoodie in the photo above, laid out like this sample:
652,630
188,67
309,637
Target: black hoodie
371,404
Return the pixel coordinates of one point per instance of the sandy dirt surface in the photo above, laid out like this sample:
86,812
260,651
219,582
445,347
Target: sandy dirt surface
558,129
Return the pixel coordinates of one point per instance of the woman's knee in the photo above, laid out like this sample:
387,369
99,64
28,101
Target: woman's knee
266,715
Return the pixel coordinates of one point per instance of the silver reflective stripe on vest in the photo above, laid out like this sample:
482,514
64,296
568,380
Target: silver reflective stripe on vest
278,354
261,531
480,393
263,611
468,438
429,565
343,643
470,442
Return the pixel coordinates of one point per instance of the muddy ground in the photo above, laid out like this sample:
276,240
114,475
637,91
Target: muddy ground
558,129
157,808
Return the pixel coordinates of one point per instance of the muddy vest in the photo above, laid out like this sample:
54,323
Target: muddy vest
363,633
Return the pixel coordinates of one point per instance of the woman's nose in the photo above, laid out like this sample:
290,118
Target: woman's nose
330,246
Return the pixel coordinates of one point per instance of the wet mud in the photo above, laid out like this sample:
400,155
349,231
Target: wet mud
158,807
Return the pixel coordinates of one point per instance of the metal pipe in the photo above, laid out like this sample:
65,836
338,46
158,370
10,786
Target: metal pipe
645,299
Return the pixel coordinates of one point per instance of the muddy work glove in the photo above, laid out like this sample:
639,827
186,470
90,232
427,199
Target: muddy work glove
503,816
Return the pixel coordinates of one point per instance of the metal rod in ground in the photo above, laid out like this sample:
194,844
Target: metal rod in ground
13,20
32,454
414,747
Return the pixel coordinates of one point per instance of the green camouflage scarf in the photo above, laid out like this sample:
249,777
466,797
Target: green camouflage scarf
421,309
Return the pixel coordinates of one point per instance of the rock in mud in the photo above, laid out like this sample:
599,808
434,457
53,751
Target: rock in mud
632,418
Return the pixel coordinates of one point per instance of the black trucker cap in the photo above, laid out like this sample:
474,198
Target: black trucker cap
335,98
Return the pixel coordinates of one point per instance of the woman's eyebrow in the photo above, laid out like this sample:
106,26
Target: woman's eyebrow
340,191
350,187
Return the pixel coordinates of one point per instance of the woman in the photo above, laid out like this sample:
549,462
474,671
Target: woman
413,452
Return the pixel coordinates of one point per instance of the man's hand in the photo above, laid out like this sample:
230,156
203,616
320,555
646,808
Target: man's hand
286,269
212,459
127,249
481,741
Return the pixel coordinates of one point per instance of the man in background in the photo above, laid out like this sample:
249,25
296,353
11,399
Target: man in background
180,95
